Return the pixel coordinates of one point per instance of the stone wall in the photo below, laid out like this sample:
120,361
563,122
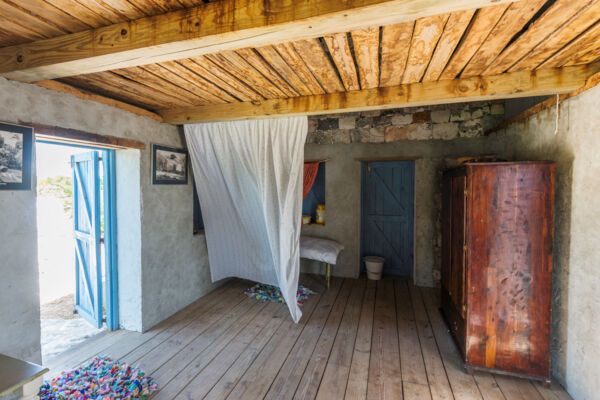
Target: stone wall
445,122
459,131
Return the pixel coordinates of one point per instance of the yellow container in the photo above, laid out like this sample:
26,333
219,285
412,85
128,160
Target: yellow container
320,217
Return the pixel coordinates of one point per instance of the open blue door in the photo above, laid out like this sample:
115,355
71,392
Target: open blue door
86,217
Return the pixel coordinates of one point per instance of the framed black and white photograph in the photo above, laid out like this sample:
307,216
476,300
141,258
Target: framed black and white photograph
169,166
15,157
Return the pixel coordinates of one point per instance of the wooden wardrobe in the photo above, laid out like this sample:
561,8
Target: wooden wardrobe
497,233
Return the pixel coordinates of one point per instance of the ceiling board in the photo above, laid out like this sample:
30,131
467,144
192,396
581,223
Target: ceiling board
279,64
550,21
424,40
236,65
394,52
366,51
474,42
292,58
339,48
453,32
514,19
253,58
318,62
515,84
484,21
215,74
565,34
226,25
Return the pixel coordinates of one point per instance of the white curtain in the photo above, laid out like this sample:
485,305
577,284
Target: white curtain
249,180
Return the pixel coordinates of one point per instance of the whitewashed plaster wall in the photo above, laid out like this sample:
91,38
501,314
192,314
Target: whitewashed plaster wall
172,262
576,274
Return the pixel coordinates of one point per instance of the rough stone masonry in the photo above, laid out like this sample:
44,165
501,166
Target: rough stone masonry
445,122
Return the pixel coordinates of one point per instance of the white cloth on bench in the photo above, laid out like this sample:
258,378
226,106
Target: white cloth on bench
324,250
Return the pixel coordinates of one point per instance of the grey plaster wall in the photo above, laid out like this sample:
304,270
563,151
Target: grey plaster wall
343,191
19,288
170,270
576,275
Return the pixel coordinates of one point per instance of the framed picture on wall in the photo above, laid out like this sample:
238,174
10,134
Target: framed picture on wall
169,166
16,144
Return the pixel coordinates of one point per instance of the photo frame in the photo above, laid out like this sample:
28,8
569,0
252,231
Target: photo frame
16,147
169,165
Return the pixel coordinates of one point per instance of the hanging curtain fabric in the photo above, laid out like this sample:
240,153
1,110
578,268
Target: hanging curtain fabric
249,180
310,174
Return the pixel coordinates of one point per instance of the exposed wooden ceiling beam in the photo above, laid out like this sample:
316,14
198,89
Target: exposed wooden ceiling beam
209,28
508,85
83,94
74,136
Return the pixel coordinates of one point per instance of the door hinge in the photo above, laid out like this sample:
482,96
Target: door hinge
466,192
465,247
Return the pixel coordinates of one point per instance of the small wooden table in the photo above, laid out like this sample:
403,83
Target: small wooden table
15,373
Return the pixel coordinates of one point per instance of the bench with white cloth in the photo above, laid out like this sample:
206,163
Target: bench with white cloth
323,250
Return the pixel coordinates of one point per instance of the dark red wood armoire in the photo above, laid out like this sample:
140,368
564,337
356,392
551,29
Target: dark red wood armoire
497,233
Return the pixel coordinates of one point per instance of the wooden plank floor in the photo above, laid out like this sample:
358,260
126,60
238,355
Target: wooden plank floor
357,340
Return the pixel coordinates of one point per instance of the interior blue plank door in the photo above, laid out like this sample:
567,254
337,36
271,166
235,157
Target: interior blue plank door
86,217
387,231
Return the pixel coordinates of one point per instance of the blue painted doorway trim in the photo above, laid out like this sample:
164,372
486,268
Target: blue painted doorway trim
110,239
387,214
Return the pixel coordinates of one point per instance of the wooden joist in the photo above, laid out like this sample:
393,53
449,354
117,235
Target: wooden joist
209,28
550,102
83,94
508,85
74,136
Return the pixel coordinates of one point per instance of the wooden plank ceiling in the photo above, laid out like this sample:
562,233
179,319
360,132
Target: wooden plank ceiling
525,35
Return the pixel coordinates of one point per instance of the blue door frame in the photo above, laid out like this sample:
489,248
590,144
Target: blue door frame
94,315
387,214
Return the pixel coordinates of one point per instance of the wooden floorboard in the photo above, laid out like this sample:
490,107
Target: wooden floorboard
358,339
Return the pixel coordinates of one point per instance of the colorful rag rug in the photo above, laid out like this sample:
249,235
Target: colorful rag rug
272,293
101,379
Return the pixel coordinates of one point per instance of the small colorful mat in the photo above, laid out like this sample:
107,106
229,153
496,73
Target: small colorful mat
100,379
272,293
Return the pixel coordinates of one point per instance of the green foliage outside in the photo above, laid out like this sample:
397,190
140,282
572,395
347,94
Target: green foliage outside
60,187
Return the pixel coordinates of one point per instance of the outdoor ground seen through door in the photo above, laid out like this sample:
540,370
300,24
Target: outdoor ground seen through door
61,327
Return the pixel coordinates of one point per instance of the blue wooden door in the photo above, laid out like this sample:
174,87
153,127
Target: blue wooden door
388,214
86,217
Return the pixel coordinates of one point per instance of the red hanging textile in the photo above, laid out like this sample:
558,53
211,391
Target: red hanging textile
310,174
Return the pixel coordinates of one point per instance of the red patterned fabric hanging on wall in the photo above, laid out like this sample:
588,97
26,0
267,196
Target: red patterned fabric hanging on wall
310,174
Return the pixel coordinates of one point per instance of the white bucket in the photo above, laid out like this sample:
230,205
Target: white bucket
374,266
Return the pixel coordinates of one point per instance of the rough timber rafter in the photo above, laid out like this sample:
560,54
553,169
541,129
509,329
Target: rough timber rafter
513,84
209,28
83,94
